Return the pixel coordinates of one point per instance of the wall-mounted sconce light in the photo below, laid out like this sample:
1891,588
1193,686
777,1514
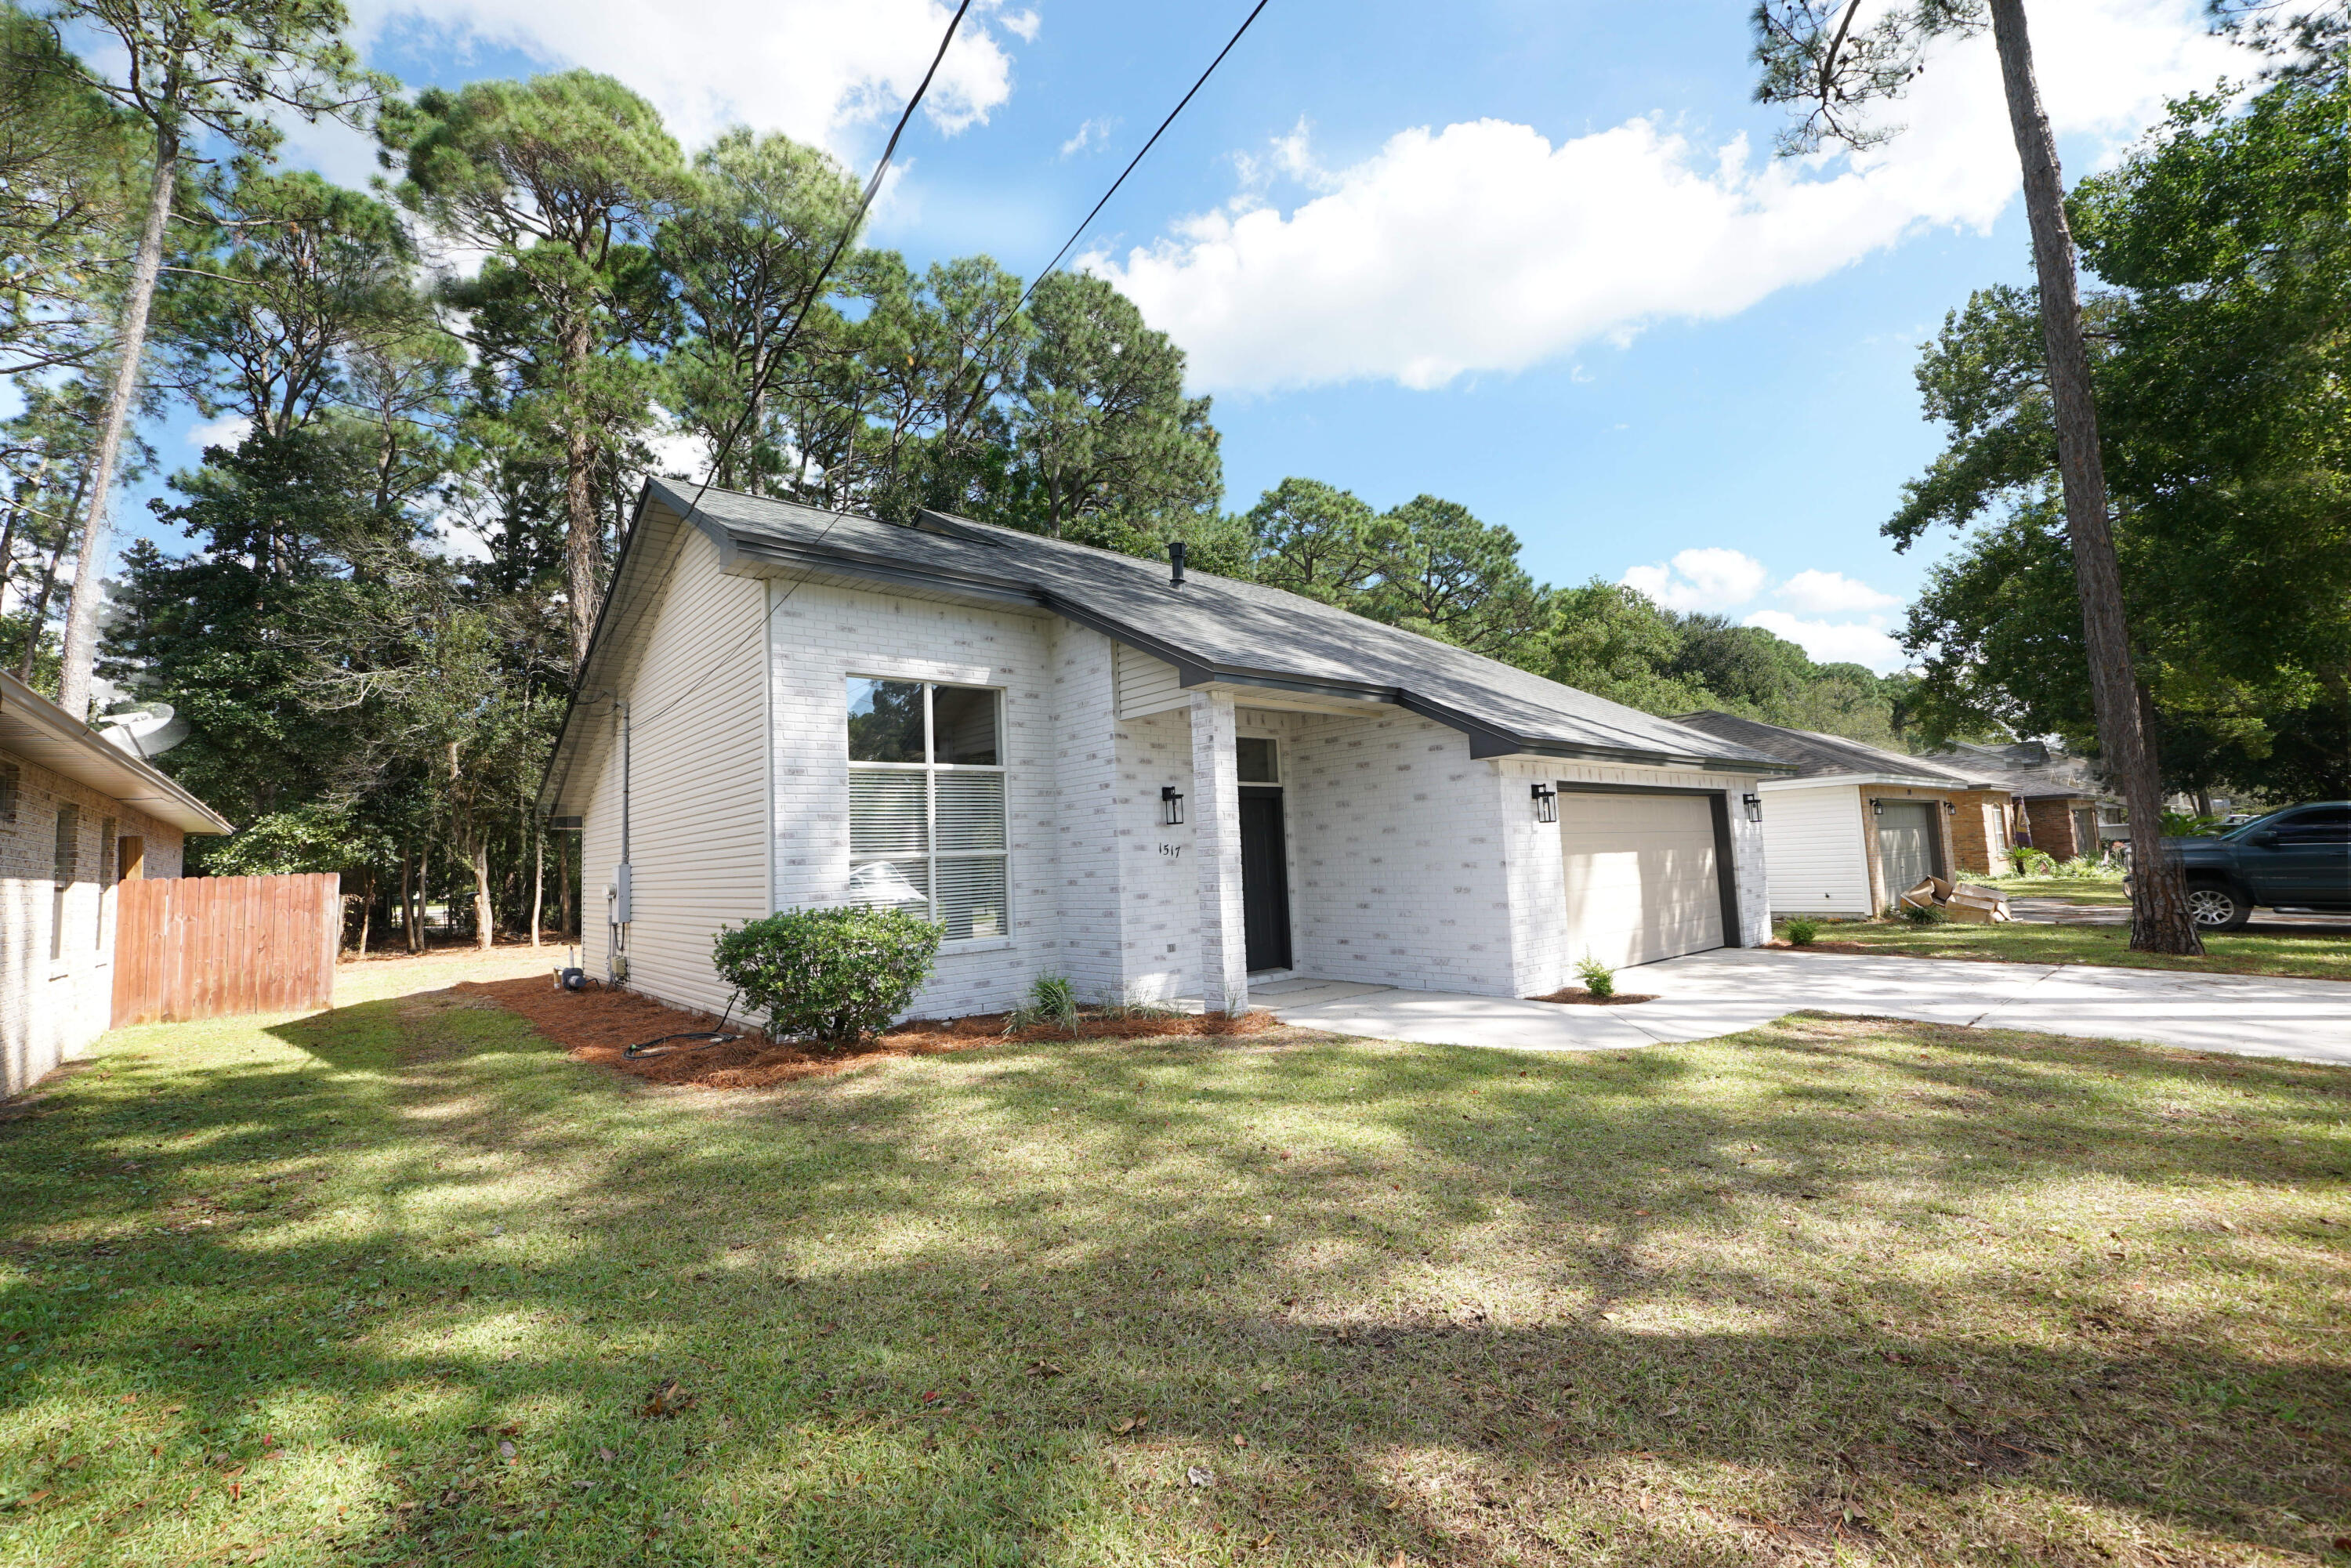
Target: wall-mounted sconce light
1950,808
1754,804
1546,803
1877,807
1171,806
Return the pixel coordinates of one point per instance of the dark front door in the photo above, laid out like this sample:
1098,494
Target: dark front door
1265,880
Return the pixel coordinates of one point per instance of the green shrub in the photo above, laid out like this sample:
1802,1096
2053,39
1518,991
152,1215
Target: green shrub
1801,931
833,976
1597,977
2030,861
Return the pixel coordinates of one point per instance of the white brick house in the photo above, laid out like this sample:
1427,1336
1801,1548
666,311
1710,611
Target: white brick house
786,707
77,817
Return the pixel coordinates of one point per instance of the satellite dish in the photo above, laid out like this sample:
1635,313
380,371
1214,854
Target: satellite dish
145,732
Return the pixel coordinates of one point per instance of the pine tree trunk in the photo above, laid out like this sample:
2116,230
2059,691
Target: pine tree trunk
2160,921
485,922
585,537
81,610
48,582
537,876
367,914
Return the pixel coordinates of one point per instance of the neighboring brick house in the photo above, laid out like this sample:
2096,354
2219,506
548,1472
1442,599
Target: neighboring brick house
1086,764
1855,826
2053,799
76,816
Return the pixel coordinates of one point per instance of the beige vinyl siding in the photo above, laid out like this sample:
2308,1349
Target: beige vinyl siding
1815,852
698,795
1145,684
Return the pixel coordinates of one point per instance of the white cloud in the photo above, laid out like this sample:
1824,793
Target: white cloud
1092,133
1709,578
813,69
1831,594
1482,245
228,430
1835,641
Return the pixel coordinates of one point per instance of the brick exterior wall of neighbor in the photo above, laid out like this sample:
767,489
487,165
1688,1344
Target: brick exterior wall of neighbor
1979,833
2051,820
52,1009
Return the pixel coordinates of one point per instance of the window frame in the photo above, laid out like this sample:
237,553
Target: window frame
931,855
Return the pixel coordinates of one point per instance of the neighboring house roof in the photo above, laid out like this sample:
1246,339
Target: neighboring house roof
38,730
1822,758
2024,767
1212,629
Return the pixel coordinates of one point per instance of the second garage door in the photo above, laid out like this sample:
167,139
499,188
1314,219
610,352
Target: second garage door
1642,883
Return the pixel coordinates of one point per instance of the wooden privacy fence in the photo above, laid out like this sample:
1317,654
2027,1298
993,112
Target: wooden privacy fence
214,946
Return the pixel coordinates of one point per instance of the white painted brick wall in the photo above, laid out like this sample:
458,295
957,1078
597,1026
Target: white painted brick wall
1402,850
52,1011
822,635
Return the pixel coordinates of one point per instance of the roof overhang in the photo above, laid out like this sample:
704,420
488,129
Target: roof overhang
1884,781
767,556
42,732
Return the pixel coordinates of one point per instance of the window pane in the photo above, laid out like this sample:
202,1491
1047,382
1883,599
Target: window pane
1253,755
963,722
971,811
68,846
2322,825
886,813
971,898
885,720
892,885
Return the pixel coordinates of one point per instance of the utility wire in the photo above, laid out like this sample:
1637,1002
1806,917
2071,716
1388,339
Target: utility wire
1075,235
809,296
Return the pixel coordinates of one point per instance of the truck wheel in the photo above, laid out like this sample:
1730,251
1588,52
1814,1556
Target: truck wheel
2218,908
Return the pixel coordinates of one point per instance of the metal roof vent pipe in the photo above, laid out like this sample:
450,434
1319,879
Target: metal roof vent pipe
1175,563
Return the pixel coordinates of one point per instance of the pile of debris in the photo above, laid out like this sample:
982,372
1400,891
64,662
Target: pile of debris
1960,901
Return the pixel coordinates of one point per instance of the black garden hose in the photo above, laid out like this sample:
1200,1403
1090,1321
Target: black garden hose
701,1038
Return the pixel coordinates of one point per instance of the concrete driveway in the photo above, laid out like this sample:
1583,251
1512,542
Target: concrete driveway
1709,994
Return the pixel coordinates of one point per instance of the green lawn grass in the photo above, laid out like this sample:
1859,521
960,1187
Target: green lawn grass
2321,956
392,1284
2106,891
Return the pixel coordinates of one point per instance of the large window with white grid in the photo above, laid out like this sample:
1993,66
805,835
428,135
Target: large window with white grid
926,803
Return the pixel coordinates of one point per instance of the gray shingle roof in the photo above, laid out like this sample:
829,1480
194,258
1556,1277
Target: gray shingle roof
2026,768
1814,755
1212,628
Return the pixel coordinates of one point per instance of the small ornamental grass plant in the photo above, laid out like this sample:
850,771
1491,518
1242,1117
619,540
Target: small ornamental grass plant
1052,1000
831,976
1802,932
1923,913
1597,977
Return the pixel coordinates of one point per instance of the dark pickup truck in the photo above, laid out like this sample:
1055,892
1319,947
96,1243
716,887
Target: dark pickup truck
2297,859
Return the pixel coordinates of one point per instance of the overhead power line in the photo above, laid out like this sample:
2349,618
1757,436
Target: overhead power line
871,186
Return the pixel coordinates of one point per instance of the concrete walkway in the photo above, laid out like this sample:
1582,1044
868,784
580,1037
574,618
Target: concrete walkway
1709,994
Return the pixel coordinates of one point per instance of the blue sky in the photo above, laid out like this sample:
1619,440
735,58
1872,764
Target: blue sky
1535,257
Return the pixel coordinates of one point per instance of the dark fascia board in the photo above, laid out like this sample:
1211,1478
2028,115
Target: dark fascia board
1485,739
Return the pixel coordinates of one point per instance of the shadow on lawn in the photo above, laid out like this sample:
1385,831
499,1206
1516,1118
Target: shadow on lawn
917,1319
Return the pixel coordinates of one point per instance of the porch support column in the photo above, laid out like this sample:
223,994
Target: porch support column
1216,841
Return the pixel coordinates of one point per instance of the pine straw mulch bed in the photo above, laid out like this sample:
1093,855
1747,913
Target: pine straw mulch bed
1579,995
597,1024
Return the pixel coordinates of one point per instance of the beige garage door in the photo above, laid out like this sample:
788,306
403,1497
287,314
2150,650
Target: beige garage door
1641,877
